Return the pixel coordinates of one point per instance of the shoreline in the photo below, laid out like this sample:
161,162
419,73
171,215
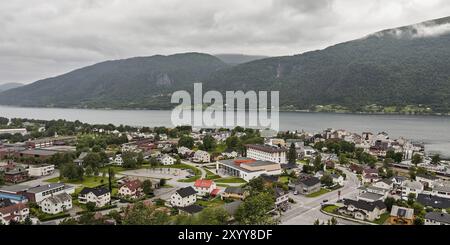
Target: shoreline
293,111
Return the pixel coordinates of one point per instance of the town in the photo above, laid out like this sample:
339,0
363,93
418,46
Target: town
67,173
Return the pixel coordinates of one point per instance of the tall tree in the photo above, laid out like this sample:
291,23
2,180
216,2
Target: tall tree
254,210
292,154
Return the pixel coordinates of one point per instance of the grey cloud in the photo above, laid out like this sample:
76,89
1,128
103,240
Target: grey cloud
50,37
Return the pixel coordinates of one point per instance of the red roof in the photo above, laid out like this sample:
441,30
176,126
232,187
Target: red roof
133,185
203,183
215,192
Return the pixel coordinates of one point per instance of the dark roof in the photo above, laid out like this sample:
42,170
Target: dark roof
269,178
193,209
440,217
289,166
96,191
364,205
309,181
279,192
234,190
5,203
427,176
433,201
187,191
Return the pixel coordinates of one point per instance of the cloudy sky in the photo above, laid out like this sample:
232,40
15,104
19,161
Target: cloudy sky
42,38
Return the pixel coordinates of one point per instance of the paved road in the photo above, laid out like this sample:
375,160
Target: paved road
40,181
307,210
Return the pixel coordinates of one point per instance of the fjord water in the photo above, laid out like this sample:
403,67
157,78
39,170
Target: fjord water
434,131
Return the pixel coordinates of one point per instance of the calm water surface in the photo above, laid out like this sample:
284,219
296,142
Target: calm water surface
434,131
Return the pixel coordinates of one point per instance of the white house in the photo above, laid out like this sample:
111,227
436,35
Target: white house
131,189
247,168
309,152
13,211
167,160
100,196
56,204
385,184
201,157
414,187
429,181
41,170
184,197
184,151
338,179
118,160
267,153
204,187
39,193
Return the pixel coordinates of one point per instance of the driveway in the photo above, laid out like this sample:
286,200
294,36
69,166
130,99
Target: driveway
306,210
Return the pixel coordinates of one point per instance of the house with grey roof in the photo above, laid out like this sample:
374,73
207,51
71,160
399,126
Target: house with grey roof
40,193
441,191
184,197
56,204
363,210
428,200
306,186
411,187
435,218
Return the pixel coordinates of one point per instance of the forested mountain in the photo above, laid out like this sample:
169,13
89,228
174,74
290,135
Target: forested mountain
142,82
397,67
406,67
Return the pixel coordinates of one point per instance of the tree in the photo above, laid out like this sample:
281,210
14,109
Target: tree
147,187
89,171
254,210
209,143
398,157
212,216
140,159
141,214
4,121
326,180
256,185
28,221
416,159
129,160
318,163
90,206
69,221
389,202
343,160
333,221
2,179
411,198
186,141
92,159
292,154
316,222
436,159
419,221
162,182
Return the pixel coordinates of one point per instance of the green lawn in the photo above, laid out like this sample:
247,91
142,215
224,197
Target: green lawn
216,202
86,182
318,193
211,175
330,208
230,180
382,219
284,179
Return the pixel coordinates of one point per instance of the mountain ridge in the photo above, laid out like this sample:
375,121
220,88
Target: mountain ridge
396,68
